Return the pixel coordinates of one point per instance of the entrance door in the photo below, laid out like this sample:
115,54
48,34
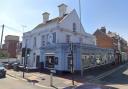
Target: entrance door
38,61
69,60
49,61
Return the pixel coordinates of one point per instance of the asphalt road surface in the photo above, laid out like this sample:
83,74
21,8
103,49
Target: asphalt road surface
118,79
12,83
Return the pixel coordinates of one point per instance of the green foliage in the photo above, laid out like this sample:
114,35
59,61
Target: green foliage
3,54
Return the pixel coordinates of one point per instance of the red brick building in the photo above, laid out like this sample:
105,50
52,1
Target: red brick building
111,40
105,40
11,45
102,39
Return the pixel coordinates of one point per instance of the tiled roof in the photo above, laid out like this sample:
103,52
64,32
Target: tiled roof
58,19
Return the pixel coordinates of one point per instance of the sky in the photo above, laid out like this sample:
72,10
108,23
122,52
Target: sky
24,15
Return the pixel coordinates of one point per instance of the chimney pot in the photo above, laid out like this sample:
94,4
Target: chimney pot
103,29
62,10
45,17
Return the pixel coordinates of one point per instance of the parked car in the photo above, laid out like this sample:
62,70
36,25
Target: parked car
16,66
11,65
2,71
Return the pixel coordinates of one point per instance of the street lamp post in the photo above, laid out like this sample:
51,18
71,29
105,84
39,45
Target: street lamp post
2,36
82,70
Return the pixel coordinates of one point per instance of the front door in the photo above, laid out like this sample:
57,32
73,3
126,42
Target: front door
49,61
69,60
37,61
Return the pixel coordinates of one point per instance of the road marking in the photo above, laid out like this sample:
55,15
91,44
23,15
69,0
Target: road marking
110,72
107,73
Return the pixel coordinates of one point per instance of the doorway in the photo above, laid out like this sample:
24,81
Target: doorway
38,61
50,60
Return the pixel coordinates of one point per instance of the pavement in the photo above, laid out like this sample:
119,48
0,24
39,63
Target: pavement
42,80
64,81
13,83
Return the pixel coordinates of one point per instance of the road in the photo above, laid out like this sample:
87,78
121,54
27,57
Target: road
12,83
118,79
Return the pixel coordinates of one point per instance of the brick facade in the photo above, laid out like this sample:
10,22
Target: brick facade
11,45
111,40
103,40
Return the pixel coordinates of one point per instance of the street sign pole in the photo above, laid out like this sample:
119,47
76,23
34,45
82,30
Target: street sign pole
25,60
51,78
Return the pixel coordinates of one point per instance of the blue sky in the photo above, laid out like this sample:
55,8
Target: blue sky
95,13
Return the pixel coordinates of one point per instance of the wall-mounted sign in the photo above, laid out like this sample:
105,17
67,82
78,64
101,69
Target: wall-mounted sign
50,38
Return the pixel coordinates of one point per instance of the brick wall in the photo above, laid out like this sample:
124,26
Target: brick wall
103,40
11,48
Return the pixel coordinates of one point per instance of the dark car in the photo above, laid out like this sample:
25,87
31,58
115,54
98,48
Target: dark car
10,65
2,71
16,66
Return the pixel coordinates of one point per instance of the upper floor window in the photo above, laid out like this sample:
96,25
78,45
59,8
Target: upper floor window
81,40
74,27
34,45
68,38
47,39
54,37
43,40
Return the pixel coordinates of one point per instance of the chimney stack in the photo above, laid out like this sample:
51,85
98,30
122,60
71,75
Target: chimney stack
45,17
103,29
62,10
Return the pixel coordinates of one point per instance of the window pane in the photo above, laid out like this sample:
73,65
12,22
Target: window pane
74,27
54,37
68,38
43,40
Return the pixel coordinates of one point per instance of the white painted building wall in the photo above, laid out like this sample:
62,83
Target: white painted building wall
62,28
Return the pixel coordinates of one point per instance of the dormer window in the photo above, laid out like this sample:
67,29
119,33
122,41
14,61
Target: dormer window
74,27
